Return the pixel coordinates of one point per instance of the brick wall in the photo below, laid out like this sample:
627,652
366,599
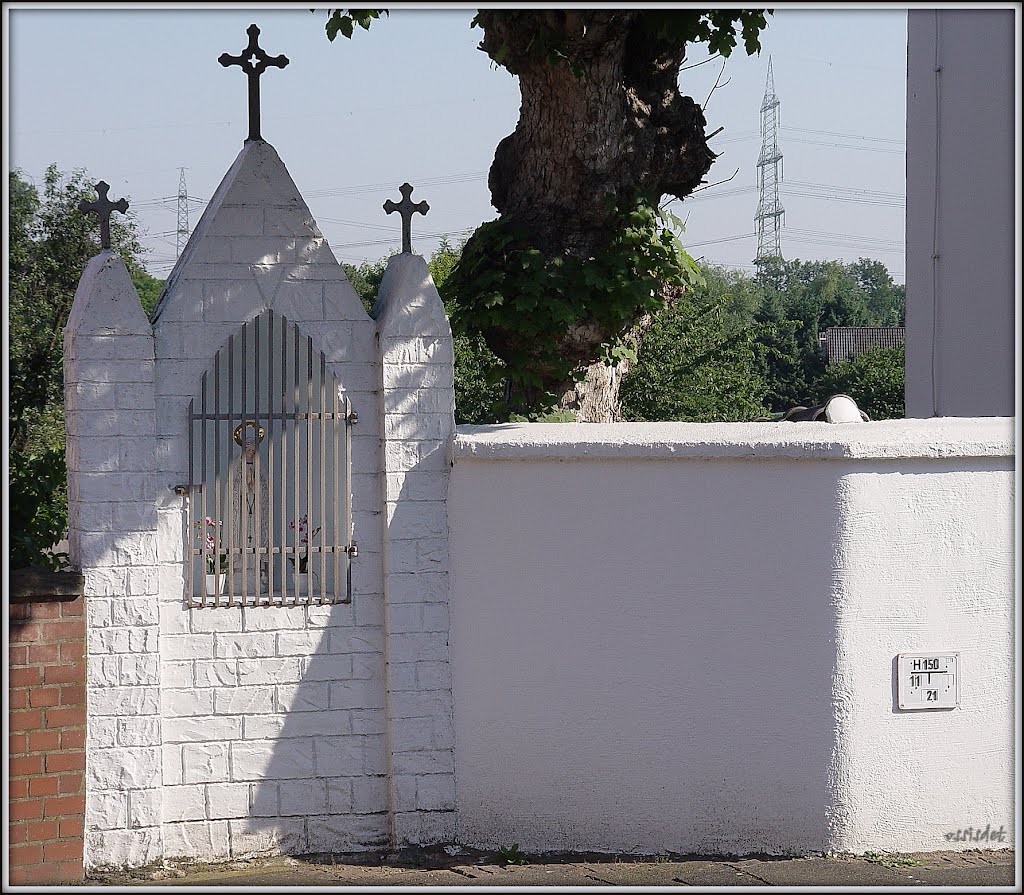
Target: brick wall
47,741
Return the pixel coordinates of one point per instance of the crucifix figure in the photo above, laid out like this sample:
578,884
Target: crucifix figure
102,208
253,60
406,208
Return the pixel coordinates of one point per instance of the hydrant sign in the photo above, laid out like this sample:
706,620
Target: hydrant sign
928,680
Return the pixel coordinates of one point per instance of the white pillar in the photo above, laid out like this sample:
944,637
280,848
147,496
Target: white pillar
111,426
418,408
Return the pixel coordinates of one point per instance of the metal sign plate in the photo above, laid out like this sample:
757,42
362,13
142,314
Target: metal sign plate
928,680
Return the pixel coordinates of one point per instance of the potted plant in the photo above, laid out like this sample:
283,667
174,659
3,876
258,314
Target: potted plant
301,526
216,560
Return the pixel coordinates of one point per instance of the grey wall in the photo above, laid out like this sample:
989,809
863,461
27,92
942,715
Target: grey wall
960,205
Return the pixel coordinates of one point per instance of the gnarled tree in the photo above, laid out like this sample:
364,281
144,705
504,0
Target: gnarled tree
580,252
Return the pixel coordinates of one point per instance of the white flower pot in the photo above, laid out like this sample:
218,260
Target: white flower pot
211,584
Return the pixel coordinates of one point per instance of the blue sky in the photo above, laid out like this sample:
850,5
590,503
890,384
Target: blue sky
134,94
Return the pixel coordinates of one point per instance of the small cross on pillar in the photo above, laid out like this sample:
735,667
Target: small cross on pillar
102,208
253,60
406,208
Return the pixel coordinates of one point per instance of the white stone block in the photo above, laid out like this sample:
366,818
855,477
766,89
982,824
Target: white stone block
174,618
106,811
375,755
145,807
340,798
244,701
436,827
236,220
303,797
143,581
177,674
421,704
103,671
186,703
124,701
184,803
368,721
264,727
218,673
435,792
144,731
405,618
173,773
361,640
341,756
308,696
225,800
367,667
143,640
412,734
434,675
245,646
404,792
340,833
187,646
101,733
205,762
401,676
198,841
140,670
104,582
219,620
361,694
202,729
438,761
273,619
116,849
129,613
278,836
108,640
273,761
299,643
432,646
326,667
253,672
124,768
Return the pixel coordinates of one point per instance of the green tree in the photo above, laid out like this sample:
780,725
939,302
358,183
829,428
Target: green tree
580,254
874,379
51,241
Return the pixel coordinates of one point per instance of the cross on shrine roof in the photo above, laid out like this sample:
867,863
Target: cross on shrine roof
253,69
406,208
102,208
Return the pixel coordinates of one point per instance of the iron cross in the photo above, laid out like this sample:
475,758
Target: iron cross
406,208
102,208
253,60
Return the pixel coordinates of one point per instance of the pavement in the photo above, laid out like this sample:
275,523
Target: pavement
440,868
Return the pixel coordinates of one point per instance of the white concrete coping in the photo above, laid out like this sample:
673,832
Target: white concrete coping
944,437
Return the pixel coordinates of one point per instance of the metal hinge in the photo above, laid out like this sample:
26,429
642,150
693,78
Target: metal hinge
353,418
352,549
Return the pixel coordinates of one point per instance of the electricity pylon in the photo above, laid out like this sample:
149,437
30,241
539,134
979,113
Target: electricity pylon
770,214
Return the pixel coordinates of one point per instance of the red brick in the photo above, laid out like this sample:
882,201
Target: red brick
18,789
29,633
30,809
22,613
42,830
42,786
65,674
70,784
44,652
30,853
73,608
26,764
25,677
16,833
17,743
69,870
72,695
25,721
41,873
18,699
43,741
60,806
62,851
45,610
65,761
43,697
65,717
72,739
72,827
17,656
73,651
65,629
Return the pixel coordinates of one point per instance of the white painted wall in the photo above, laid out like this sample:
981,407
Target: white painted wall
680,636
963,179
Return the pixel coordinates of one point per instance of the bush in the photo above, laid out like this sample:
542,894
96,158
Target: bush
874,379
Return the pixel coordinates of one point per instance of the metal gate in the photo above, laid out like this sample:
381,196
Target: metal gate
270,473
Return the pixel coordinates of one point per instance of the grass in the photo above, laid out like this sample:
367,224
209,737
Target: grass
889,860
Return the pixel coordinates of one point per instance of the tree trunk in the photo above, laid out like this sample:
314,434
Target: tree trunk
587,141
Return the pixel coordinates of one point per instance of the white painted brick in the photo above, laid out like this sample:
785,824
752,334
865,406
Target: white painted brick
246,646
402,676
303,797
116,849
258,760
339,795
128,768
173,617
205,762
101,733
145,808
107,810
265,727
143,640
204,729
227,800
340,833
244,701
197,841
263,799
143,731
223,619
362,640
305,697
186,703
184,803
362,694
216,673
125,701
412,734
281,836
438,761
369,795
425,587
273,619
187,646
109,640
133,613
172,771
375,755
404,792
421,704
436,826
368,721
434,675
104,582
301,643
140,670
369,667
103,671
236,220
177,674
435,792
326,667
269,671
435,617
405,618
420,647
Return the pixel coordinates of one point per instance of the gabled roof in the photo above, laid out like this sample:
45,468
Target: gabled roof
839,343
